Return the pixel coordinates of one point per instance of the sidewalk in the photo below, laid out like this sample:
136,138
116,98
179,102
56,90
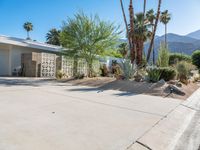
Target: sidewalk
168,133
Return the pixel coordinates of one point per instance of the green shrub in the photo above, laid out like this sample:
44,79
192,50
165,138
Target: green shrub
183,69
163,56
196,58
79,76
174,58
167,73
154,75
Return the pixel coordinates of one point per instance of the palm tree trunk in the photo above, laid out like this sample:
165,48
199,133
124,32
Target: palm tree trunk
28,35
131,34
144,12
124,16
165,35
154,32
144,8
154,60
140,53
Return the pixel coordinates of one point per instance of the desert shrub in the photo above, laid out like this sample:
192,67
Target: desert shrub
167,73
60,74
116,69
174,58
79,76
183,69
163,56
196,58
104,70
153,75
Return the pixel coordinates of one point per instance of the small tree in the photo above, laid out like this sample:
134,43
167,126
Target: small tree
163,56
88,37
196,59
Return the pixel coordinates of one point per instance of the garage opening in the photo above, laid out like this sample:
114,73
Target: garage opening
4,61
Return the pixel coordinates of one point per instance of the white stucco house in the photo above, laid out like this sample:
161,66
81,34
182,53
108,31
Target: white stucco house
12,48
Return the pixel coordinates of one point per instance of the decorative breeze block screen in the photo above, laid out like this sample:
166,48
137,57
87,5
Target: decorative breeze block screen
67,66
82,67
48,65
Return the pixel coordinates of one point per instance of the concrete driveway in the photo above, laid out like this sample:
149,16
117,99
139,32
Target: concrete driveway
47,115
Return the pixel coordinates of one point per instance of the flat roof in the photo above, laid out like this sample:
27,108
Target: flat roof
29,43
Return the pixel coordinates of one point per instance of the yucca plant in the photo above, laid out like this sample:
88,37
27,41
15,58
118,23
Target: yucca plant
128,69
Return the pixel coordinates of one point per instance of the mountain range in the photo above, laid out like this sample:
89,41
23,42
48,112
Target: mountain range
186,44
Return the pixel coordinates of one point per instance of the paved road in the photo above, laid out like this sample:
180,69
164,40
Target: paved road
46,115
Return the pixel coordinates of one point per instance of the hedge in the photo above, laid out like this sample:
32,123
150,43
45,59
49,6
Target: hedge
174,58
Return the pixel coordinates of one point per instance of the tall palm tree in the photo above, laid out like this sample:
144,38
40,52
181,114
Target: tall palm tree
28,26
53,37
150,15
165,18
141,35
154,30
132,32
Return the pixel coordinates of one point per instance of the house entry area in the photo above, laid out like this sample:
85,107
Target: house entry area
38,65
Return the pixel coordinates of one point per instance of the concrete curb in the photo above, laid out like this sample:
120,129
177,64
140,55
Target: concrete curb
166,133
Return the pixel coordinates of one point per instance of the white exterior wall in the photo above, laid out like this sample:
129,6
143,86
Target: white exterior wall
4,61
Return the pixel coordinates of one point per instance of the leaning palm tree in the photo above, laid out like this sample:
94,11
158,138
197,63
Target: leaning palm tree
154,30
28,26
150,16
165,18
53,37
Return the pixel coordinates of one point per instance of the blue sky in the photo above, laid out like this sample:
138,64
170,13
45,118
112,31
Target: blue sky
46,14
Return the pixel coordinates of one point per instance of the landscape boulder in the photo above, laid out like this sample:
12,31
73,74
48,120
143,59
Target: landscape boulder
174,89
